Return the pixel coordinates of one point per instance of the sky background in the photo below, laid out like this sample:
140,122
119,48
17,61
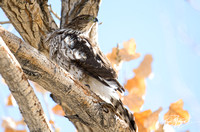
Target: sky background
169,31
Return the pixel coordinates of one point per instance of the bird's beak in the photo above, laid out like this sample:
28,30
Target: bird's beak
95,20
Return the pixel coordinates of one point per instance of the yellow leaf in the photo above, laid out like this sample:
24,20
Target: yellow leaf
133,102
11,101
10,125
160,128
140,118
152,120
51,122
115,58
147,120
176,115
128,52
144,69
58,110
136,86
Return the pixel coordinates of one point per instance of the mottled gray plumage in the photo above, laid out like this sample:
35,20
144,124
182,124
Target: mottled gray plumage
72,49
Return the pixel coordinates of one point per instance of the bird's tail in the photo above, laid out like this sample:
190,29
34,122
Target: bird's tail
124,114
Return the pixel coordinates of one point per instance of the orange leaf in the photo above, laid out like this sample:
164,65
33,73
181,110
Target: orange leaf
13,130
176,115
10,101
21,122
58,110
160,128
128,52
10,125
147,120
140,118
151,121
51,122
136,86
115,58
144,69
133,102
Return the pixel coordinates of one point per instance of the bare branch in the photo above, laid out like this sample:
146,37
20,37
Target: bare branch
53,13
23,93
5,22
80,104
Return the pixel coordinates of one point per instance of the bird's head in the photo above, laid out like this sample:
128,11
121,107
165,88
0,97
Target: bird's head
82,23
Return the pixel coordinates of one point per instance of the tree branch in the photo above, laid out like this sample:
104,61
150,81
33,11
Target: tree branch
56,15
5,22
23,93
31,19
80,104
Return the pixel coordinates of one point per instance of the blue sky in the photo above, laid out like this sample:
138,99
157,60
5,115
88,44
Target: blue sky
169,31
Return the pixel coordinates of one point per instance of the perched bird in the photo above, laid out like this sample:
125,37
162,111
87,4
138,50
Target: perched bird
72,49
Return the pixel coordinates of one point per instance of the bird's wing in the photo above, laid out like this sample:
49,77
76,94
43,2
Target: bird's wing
94,63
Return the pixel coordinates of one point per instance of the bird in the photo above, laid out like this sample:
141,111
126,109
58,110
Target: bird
72,49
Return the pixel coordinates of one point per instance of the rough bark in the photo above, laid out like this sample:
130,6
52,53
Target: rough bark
32,19
81,105
21,90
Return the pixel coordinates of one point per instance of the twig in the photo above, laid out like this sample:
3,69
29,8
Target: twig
53,13
5,22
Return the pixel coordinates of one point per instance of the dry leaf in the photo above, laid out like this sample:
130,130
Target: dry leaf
125,54
115,59
133,102
160,128
9,123
57,129
11,101
21,122
144,69
12,130
136,86
11,126
147,120
176,115
58,110
128,52
51,122
152,120
140,118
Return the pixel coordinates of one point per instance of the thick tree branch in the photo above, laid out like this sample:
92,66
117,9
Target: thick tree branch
31,19
23,93
79,102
